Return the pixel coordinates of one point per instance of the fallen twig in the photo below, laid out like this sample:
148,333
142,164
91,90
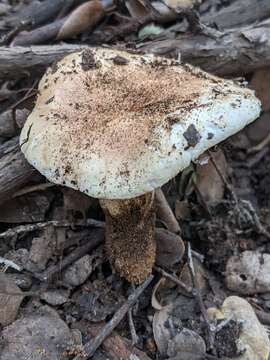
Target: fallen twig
196,286
238,52
116,347
8,263
95,239
15,171
90,347
83,18
260,146
132,328
210,327
174,279
56,223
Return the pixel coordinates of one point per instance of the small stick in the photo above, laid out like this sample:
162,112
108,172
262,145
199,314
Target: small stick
174,279
196,285
90,347
95,239
260,146
211,327
57,223
256,158
134,336
9,263
165,212
223,179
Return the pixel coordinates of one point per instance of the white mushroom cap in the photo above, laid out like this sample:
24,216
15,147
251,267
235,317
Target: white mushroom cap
116,125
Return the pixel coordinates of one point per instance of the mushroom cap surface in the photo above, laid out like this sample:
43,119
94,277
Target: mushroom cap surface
115,125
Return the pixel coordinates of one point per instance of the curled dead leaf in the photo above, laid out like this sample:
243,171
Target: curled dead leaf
81,19
136,9
161,331
170,249
209,184
154,301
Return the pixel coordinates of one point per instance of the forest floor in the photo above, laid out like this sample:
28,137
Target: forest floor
209,296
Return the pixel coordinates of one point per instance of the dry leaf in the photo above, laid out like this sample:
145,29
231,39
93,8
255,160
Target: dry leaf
260,82
136,9
171,338
170,249
42,249
81,19
187,345
40,334
166,14
182,210
181,4
154,301
9,304
200,271
161,330
209,185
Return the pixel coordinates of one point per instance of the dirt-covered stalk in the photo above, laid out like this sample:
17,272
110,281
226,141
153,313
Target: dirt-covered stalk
130,243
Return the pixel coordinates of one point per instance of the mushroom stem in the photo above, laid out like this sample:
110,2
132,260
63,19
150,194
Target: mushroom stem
130,242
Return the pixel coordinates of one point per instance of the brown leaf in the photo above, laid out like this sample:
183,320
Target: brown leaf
155,302
260,82
42,250
137,9
9,304
209,185
161,331
170,248
81,19
182,210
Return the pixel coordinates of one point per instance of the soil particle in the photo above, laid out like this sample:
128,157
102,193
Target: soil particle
120,60
54,67
49,100
88,60
192,136
226,340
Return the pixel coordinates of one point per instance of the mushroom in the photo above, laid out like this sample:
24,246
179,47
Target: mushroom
117,126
